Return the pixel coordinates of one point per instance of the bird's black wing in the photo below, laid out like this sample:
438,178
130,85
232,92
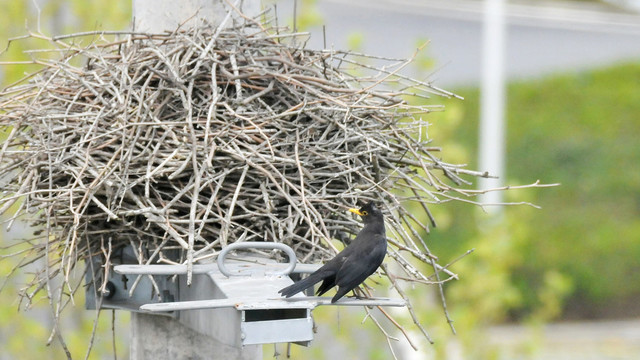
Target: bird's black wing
326,274
360,265
309,281
334,265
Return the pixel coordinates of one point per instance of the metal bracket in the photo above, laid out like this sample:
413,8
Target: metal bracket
257,245
123,291
236,300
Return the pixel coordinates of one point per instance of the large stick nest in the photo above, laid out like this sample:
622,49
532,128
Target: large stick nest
197,139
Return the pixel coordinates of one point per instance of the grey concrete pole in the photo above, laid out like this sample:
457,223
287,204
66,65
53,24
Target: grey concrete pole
161,15
155,337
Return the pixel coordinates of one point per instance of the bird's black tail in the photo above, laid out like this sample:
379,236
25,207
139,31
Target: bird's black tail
301,285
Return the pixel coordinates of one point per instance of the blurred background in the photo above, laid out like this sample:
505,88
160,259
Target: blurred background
560,282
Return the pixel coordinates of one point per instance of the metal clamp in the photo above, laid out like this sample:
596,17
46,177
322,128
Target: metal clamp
257,245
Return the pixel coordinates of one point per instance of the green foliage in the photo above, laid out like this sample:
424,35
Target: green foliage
346,332
15,10
590,147
308,15
25,333
53,18
423,61
581,249
355,41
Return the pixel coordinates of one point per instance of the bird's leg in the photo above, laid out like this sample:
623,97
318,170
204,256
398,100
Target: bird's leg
358,296
356,293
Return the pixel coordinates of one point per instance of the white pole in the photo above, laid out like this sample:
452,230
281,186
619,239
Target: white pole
156,337
492,101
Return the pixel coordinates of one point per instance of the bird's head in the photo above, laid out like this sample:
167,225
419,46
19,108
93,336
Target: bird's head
369,213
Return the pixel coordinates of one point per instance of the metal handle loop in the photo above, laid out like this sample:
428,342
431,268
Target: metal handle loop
257,245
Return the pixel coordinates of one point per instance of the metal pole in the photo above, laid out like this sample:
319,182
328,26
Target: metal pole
492,125
155,337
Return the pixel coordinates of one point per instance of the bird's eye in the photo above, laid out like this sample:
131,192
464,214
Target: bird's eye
365,213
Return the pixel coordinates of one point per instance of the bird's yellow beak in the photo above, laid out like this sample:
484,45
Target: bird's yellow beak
356,211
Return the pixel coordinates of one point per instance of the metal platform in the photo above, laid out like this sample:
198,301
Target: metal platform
237,298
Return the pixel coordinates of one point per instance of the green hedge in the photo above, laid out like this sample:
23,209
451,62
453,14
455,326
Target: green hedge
583,131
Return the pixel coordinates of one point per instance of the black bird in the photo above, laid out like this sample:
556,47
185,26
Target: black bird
355,263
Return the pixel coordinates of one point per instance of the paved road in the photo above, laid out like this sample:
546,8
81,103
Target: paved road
585,340
541,39
597,340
